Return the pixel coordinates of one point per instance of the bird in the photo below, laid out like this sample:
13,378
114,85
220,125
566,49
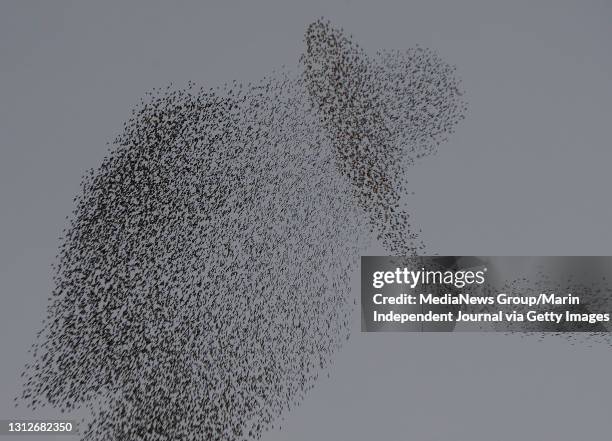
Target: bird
202,284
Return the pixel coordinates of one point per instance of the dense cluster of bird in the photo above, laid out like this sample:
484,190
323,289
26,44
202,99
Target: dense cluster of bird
382,112
202,283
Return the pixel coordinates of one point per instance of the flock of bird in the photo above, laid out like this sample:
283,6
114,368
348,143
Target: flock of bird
202,284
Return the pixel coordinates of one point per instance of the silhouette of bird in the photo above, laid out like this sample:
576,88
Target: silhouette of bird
203,281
